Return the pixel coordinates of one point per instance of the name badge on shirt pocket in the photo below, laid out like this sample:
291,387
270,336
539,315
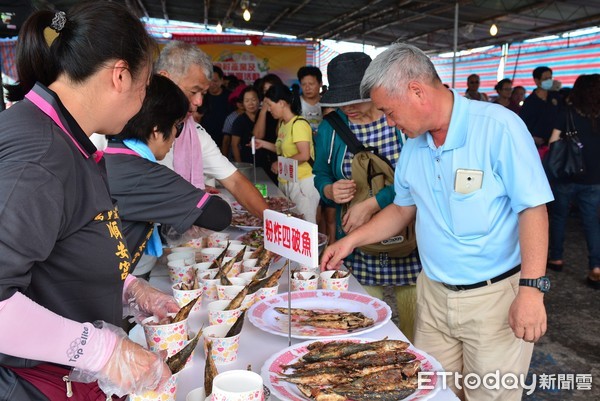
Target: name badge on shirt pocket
469,214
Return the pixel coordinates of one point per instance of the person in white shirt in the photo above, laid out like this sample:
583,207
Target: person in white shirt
191,69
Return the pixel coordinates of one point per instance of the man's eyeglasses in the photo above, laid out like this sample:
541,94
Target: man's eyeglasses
178,129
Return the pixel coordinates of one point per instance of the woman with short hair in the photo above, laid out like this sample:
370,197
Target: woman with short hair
148,193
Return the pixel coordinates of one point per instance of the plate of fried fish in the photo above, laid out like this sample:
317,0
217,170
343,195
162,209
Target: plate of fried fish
320,314
356,369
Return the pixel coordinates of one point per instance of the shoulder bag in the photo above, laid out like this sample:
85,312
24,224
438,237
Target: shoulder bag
372,172
565,156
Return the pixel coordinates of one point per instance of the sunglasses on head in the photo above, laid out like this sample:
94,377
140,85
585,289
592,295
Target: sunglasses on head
178,129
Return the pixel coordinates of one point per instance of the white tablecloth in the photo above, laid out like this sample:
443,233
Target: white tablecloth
256,346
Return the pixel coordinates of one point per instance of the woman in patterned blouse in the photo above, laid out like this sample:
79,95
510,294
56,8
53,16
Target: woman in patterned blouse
334,182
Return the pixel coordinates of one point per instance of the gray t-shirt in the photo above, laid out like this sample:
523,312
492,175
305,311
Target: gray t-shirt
312,113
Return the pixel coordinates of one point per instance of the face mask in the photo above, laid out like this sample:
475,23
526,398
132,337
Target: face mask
547,84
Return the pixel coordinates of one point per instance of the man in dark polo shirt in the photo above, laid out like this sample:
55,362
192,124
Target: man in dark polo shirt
216,107
540,109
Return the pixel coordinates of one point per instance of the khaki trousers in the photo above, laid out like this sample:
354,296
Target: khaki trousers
406,297
468,332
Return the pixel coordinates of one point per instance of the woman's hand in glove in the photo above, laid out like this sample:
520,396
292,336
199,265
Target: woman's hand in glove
145,300
130,368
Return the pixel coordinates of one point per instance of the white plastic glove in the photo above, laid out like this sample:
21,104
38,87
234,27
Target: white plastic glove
145,300
130,368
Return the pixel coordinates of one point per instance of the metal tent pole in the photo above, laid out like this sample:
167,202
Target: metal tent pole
455,44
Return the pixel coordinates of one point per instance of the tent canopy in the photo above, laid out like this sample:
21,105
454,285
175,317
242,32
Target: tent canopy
428,25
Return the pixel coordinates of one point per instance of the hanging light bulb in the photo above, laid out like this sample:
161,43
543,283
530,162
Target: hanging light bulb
248,42
246,15
219,27
493,30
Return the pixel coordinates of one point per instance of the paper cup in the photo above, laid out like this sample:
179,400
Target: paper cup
238,385
188,256
179,271
228,292
234,249
196,394
248,301
217,240
306,268
235,242
170,337
199,242
202,267
209,286
210,254
167,393
247,276
216,314
247,254
267,292
235,269
299,282
249,265
180,249
183,297
224,349
336,284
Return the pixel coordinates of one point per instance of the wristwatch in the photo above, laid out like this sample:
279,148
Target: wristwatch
542,283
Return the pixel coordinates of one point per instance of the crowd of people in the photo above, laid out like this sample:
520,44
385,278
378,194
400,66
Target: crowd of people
76,221
545,113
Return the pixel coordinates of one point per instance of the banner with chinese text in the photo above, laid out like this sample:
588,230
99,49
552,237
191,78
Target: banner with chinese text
252,62
292,238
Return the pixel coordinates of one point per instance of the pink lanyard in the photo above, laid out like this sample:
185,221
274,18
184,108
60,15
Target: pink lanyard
50,111
120,151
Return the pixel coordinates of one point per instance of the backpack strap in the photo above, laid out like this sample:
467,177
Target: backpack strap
344,132
349,138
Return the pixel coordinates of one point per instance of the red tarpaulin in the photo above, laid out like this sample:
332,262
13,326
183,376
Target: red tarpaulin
216,39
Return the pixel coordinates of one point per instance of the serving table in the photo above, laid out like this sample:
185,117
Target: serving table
256,345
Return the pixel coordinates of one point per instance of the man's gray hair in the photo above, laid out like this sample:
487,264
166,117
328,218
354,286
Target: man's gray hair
393,69
176,57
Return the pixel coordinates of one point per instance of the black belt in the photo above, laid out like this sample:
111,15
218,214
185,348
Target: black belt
493,280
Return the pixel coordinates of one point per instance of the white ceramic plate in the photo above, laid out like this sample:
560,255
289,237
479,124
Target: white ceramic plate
263,315
283,390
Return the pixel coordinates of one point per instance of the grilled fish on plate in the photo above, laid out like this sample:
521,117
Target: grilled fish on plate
350,369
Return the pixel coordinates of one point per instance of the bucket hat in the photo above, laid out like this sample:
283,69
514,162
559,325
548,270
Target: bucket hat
344,73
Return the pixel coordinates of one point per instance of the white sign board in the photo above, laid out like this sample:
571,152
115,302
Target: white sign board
291,238
287,169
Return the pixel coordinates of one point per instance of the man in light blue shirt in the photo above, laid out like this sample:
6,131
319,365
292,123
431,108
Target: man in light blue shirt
472,176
